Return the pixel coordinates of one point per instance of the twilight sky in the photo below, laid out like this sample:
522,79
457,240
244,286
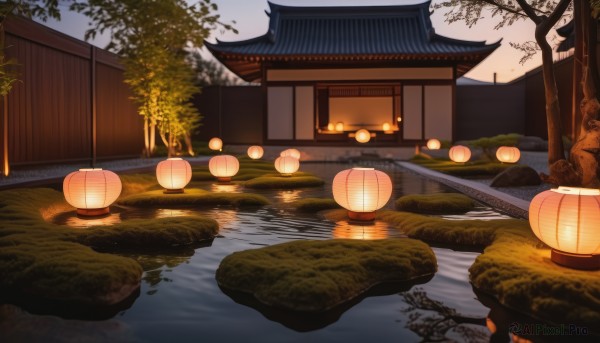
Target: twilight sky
251,21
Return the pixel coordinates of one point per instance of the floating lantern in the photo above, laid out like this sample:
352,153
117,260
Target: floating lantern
215,144
362,191
508,154
91,191
339,127
287,165
459,153
433,144
291,152
567,219
330,127
386,126
255,152
362,136
173,174
223,167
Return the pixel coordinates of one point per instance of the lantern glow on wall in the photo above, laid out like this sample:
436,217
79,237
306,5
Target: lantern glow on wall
339,127
508,154
255,152
91,191
223,167
567,219
173,174
433,144
362,191
215,144
287,165
291,152
459,153
362,136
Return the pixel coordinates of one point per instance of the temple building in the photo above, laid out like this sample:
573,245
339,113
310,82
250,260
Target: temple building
326,72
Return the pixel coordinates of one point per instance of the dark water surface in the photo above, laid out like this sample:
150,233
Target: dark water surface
180,300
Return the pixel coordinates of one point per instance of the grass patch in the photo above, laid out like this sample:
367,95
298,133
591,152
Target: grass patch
312,205
315,276
446,203
193,197
274,181
515,267
249,169
473,168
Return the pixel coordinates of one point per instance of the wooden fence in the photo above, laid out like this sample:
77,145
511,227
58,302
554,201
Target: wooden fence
70,103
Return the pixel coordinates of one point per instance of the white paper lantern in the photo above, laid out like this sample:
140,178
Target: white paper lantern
459,153
91,191
223,167
173,174
508,154
363,136
287,165
339,127
568,220
255,152
291,152
362,191
433,144
215,144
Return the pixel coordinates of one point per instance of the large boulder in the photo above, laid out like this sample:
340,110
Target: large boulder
517,176
532,143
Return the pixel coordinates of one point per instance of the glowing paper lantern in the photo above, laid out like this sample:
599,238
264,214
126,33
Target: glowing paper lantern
291,152
223,167
339,127
567,219
386,126
287,165
433,144
508,154
215,143
362,191
362,136
459,153
255,152
91,191
173,174
330,127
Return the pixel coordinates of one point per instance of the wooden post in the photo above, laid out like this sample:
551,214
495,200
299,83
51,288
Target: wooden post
5,164
577,93
93,103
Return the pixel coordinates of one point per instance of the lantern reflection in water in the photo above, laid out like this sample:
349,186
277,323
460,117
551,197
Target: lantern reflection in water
289,196
88,222
377,230
225,188
171,212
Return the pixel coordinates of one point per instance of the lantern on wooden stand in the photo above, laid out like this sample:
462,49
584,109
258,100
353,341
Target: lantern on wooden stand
91,191
459,153
568,220
223,167
362,191
255,152
433,144
215,144
508,154
362,136
287,165
295,153
173,174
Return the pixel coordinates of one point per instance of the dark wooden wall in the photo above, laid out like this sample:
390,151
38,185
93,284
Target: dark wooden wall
70,103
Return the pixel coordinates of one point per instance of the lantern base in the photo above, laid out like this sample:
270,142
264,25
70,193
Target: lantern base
173,191
575,261
224,179
361,216
285,175
92,212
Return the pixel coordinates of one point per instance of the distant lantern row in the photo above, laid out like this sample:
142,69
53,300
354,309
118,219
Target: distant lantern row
339,126
461,153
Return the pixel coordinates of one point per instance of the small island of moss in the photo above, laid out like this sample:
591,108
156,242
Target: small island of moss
438,203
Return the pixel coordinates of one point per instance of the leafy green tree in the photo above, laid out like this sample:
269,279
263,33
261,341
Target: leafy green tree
582,167
209,72
152,36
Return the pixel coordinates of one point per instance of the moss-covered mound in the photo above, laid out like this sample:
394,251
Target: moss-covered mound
515,267
472,168
249,169
317,275
446,203
193,197
284,182
312,205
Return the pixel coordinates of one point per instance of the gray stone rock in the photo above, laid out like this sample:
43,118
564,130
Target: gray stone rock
532,143
517,176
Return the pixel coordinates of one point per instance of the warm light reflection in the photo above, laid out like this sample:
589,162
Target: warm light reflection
169,212
84,223
344,230
289,195
339,127
224,188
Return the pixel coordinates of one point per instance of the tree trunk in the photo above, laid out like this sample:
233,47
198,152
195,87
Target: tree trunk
188,142
146,139
152,138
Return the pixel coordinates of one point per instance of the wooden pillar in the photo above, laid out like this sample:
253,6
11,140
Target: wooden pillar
4,140
93,104
577,94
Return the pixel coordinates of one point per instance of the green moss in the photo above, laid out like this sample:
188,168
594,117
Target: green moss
270,182
313,205
193,197
435,203
318,275
472,168
515,266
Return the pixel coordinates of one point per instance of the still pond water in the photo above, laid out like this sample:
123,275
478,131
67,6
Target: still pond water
180,301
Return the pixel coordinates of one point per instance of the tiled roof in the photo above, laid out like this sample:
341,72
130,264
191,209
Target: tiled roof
370,33
566,31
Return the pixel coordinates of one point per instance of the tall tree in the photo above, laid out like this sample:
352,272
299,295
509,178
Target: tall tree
152,36
582,167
